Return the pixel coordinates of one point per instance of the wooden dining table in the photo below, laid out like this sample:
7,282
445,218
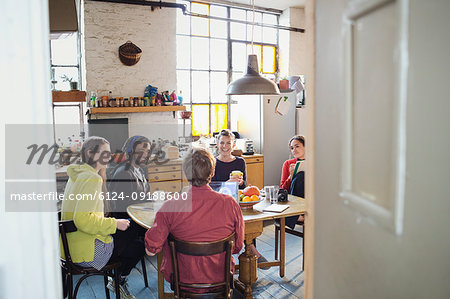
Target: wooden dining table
144,215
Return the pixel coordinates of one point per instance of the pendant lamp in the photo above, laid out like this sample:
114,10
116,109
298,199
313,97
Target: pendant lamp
252,83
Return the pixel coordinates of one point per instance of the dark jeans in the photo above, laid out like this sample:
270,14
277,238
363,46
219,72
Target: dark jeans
297,189
135,228
129,247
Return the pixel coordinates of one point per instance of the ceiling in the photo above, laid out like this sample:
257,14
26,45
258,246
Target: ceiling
277,4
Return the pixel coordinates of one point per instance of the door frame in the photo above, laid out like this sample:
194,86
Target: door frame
309,219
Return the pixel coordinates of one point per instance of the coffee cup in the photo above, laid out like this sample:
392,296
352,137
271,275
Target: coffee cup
237,173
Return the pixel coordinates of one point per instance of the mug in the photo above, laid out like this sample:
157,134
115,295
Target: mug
237,173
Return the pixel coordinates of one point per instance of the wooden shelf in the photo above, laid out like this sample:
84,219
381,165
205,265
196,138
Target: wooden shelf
69,96
136,109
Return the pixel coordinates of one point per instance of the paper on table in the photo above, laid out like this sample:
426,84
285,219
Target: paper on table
275,208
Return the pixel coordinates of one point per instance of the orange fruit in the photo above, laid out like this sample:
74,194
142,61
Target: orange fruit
251,190
240,193
246,199
254,197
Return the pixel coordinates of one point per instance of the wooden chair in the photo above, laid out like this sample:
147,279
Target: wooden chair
69,269
297,233
215,290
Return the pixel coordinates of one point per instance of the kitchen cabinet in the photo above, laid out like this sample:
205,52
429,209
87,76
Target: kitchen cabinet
255,170
167,177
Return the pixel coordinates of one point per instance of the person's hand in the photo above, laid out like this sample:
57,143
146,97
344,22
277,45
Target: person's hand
123,224
149,253
236,178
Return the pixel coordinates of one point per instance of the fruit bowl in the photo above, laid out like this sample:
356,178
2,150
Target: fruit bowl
250,204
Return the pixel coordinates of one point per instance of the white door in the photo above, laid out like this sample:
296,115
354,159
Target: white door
29,246
382,149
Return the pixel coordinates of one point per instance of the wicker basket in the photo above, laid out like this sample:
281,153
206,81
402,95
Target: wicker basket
129,53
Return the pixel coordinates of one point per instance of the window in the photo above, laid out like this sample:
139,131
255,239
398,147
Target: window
211,52
65,65
64,61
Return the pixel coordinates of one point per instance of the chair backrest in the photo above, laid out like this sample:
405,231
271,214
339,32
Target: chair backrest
66,226
202,249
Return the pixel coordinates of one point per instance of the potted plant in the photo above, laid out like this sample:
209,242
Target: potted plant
284,83
73,85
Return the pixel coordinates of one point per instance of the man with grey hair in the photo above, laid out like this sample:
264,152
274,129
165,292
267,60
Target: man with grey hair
205,216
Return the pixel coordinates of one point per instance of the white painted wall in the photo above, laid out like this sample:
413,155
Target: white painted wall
293,44
301,121
354,258
297,44
107,26
293,54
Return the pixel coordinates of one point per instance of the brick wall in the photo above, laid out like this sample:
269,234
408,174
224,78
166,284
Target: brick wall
109,25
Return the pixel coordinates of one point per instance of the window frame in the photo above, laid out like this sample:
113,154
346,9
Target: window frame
78,66
229,71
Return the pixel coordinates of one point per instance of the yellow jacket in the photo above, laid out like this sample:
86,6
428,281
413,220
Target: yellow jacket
83,205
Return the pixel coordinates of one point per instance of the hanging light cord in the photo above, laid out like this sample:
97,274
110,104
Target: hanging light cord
253,22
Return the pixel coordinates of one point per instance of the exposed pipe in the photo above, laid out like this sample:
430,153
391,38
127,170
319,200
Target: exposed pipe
241,5
159,4
245,22
187,13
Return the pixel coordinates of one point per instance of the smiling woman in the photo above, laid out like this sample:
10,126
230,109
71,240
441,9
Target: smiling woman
228,167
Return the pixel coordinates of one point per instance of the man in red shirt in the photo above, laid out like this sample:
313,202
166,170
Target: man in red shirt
205,216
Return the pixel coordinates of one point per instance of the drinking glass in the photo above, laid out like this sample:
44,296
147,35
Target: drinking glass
274,195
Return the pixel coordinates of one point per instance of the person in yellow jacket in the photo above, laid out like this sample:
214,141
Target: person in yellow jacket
98,239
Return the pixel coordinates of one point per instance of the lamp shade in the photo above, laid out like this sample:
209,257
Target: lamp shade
252,82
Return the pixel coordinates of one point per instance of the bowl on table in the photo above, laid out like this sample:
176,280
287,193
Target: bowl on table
250,204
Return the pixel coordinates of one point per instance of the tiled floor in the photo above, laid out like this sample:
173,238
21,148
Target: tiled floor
269,284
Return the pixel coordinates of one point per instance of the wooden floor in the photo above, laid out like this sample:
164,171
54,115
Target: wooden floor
269,284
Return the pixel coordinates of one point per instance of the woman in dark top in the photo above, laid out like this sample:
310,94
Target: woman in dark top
128,180
226,163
